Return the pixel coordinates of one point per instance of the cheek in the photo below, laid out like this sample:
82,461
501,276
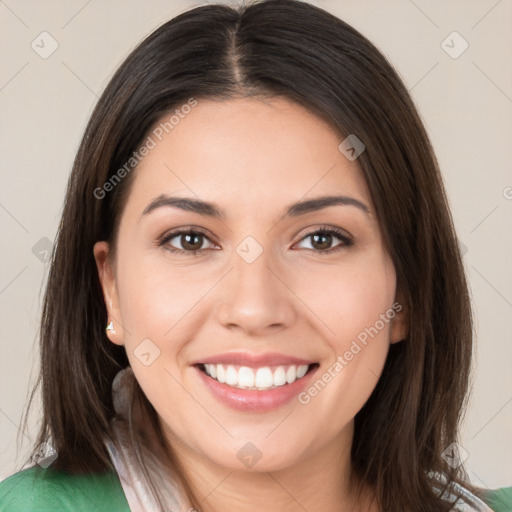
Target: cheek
155,296
350,297
357,307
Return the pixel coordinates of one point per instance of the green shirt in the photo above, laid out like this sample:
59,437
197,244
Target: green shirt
46,490
500,500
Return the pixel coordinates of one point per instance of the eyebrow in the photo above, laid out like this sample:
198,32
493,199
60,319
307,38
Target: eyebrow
211,210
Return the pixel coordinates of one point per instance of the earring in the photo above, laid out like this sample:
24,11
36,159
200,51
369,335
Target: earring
110,327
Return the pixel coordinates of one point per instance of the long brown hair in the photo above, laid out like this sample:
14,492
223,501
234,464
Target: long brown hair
295,50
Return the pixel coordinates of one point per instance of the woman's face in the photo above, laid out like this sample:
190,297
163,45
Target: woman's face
257,290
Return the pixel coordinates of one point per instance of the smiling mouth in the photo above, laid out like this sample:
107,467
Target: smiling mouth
260,379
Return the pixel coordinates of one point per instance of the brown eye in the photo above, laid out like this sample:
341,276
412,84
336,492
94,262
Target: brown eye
322,240
191,241
186,241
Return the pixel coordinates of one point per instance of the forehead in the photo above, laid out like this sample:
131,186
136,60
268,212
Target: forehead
249,151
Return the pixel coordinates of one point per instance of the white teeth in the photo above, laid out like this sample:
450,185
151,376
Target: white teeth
211,369
279,376
245,377
263,378
231,376
291,374
221,373
301,371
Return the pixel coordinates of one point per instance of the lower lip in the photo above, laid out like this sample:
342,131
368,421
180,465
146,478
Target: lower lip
250,400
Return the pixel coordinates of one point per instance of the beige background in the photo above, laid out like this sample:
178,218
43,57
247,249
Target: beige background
466,104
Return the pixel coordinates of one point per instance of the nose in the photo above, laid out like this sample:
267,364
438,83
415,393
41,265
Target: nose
256,298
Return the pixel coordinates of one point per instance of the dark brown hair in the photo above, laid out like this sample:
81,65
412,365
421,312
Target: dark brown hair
290,49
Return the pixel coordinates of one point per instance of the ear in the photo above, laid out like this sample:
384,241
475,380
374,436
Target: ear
399,329
106,275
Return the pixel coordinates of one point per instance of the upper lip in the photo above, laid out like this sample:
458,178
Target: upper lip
254,360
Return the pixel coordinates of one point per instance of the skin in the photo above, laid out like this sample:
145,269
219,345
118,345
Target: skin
253,158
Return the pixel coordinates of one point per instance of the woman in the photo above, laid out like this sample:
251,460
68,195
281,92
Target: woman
256,214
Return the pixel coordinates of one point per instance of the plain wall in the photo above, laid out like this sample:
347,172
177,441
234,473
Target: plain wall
465,102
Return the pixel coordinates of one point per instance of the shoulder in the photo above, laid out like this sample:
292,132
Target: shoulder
471,498
499,500
48,490
486,500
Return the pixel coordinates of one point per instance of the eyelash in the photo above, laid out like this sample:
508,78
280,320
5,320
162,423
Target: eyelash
347,242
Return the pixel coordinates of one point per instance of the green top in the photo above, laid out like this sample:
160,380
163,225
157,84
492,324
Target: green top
46,490
500,500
